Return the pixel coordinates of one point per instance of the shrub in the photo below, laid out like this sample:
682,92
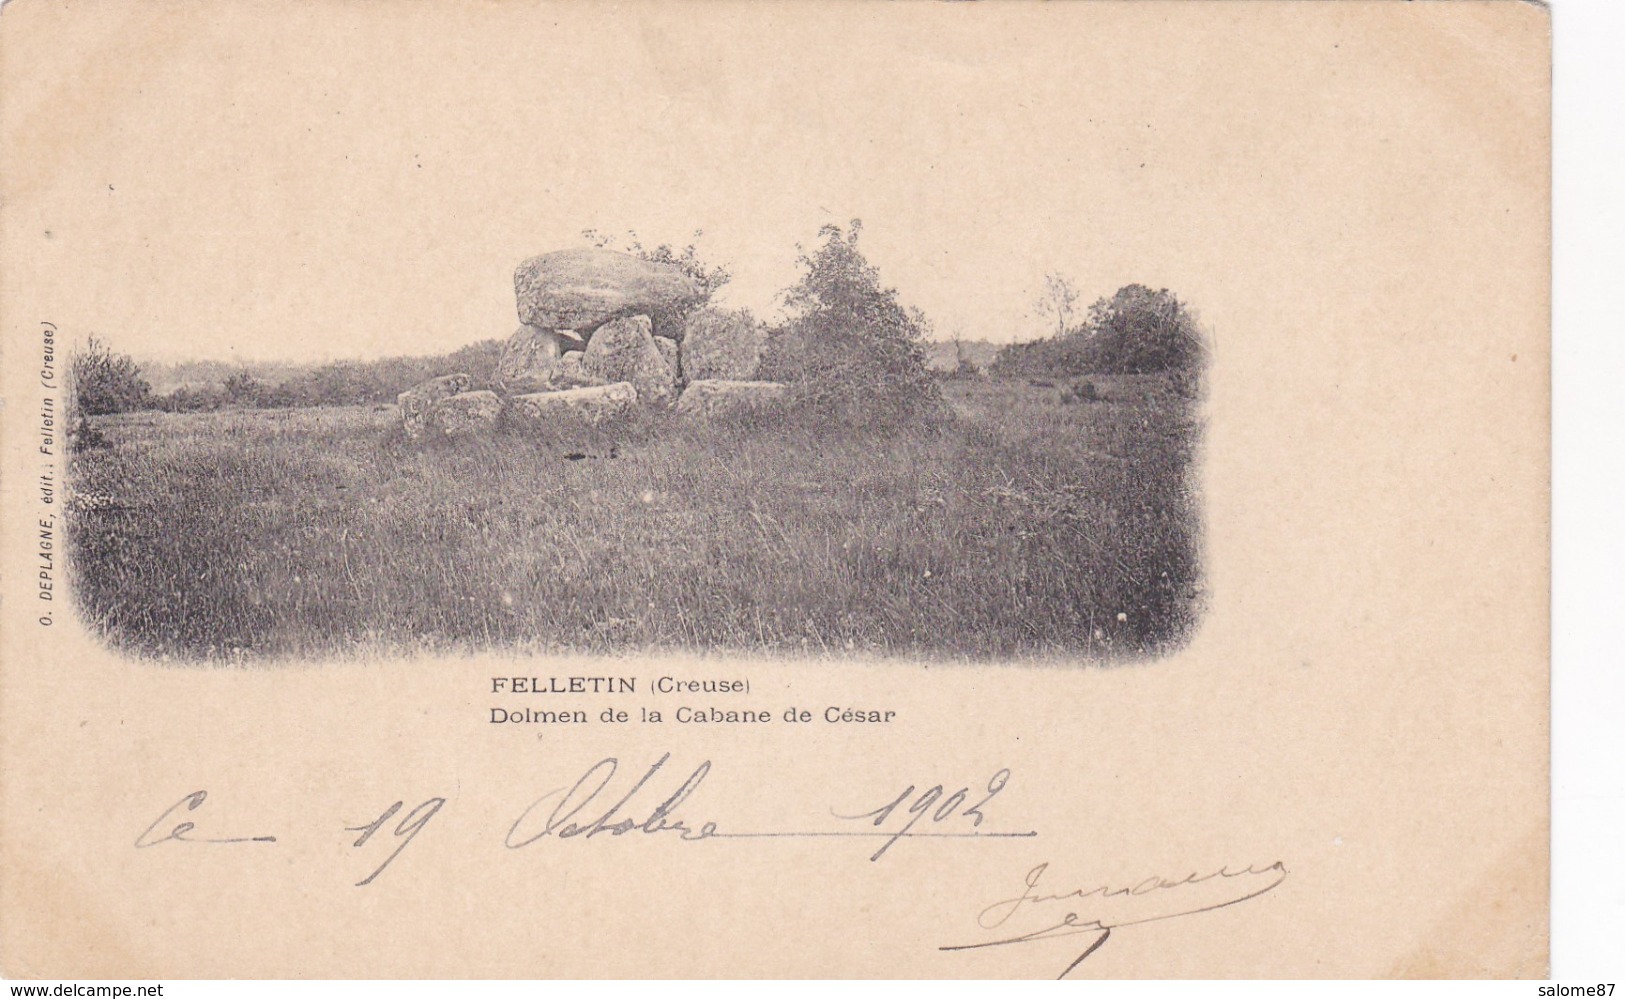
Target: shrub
1139,330
721,343
1135,331
852,354
105,382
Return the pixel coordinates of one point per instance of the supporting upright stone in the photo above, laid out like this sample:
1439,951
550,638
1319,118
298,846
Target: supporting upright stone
623,350
668,350
530,359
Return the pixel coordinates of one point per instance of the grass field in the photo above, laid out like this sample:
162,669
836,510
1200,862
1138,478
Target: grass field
1017,527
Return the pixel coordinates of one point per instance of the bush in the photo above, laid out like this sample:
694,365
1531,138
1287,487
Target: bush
105,382
1136,331
721,343
850,351
1139,330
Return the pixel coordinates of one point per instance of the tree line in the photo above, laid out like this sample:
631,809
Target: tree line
1137,330
852,353
109,382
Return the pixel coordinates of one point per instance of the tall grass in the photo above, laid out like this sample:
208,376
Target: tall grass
1013,527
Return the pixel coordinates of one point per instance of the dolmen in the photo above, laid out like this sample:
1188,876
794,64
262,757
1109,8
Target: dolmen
603,333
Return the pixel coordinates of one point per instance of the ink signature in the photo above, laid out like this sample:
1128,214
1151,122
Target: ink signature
1152,899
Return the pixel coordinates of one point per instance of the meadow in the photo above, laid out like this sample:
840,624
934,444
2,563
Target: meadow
1016,526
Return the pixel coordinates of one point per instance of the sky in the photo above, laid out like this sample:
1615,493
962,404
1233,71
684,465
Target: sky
315,181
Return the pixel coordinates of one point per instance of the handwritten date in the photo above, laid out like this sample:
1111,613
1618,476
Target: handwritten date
186,831
604,803
934,802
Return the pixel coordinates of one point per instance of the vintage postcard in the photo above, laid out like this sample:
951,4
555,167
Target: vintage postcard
803,489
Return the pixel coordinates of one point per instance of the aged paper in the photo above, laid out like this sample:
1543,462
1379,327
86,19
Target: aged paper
1208,637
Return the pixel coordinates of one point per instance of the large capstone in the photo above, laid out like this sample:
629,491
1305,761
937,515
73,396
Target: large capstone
624,350
593,404
467,414
415,401
718,397
584,288
721,344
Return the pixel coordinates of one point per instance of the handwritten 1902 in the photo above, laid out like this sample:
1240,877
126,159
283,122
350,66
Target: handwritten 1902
590,807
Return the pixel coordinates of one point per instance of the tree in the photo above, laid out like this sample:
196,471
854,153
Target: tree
850,350
1140,330
1057,302
105,382
1135,331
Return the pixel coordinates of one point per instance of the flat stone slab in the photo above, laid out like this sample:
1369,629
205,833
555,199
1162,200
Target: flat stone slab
594,403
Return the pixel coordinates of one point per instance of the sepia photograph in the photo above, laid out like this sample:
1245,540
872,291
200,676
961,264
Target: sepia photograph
639,468
572,370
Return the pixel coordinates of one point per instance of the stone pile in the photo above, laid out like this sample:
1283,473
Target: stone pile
602,333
